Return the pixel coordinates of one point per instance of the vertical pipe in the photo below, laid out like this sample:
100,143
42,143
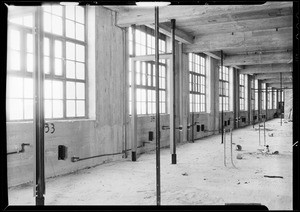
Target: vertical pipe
39,113
231,149
157,108
264,132
222,113
126,83
281,99
173,142
224,148
133,101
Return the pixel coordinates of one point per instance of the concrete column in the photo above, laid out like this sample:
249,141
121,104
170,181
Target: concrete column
250,112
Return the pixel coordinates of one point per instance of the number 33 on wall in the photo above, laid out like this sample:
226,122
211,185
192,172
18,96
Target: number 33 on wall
51,129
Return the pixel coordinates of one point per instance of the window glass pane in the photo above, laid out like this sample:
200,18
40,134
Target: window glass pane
80,71
30,62
46,46
15,87
46,65
70,12
57,10
47,22
47,8
80,32
70,50
15,108
58,49
29,43
48,109
28,21
14,40
70,69
70,90
56,25
57,89
80,108
15,60
70,108
28,109
58,67
48,89
80,90
28,88
80,14
16,20
80,52
70,29
57,108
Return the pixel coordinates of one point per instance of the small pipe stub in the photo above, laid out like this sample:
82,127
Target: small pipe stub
74,159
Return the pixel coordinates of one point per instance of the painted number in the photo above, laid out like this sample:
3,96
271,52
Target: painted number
47,128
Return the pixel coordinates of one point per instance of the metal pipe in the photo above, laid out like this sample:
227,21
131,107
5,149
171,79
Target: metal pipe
133,101
158,199
264,131
224,148
231,148
173,156
39,181
222,115
281,98
259,121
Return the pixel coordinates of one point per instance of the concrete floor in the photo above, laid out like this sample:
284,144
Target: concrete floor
199,178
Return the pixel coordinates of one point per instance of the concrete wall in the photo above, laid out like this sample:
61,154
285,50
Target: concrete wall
288,103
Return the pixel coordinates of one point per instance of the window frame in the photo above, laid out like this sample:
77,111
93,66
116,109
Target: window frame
224,71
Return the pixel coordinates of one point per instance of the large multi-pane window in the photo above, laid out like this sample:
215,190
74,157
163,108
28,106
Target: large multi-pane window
64,60
252,87
223,88
197,82
242,91
274,98
256,94
270,98
145,72
263,96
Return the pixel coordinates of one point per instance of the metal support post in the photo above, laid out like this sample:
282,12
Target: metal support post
222,115
133,102
224,143
264,131
158,199
231,148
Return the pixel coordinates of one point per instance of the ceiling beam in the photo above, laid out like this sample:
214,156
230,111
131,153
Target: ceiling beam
179,34
277,81
273,76
240,26
270,68
278,85
238,67
216,55
258,59
245,41
142,15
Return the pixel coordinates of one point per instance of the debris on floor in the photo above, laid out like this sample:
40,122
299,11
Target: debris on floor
239,156
270,176
275,153
185,174
271,135
238,147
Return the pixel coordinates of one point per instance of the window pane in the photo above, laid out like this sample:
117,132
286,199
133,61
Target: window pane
28,21
57,10
70,69
80,108
70,90
57,108
46,47
16,20
47,22
48,109
29,43
70,108
15,108
28,109
80,14
58,67
15,87
70,51
48,89
14,40
57,89
80,53
70,12
80,71
28,88
30,62
56,25
58,49
80,90
46,65
70,29
15,60
80,32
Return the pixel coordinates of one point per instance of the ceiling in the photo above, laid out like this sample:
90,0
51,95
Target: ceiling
256,39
